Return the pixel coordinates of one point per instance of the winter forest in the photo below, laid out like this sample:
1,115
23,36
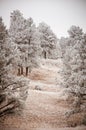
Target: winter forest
42,77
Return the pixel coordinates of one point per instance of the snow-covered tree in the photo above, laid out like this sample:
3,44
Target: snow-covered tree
13,90
74,60
48,41
3,35
63,44
25,35
75,31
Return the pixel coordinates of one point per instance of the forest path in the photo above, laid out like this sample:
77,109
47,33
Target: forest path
46,104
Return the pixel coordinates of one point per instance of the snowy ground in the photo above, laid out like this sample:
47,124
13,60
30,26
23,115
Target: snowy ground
46,104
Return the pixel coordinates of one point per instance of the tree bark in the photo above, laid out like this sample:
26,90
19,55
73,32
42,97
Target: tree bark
21,70
8,106
18,72
26,71
45,54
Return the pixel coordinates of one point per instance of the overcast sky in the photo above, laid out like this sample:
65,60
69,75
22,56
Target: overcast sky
59,14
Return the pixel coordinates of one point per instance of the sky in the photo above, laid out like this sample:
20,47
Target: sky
58,14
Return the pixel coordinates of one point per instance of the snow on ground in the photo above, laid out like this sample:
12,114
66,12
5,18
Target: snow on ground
46,104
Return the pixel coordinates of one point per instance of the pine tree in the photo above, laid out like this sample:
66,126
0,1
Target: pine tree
25,35
48,41
13,90
74,65
3,35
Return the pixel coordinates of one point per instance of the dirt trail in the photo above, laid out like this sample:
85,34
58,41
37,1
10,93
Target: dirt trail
46,104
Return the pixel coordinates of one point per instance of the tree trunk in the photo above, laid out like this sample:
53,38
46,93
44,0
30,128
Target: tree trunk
30,70
45,54
7,106
26,71
21,70
18,72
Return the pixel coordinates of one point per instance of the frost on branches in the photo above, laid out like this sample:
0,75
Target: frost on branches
13,90
74,69
25,34
21,48
48,42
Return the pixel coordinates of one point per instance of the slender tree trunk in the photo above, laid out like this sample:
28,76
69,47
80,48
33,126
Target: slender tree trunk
30,70
18,72
21,70
45,54
26,71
